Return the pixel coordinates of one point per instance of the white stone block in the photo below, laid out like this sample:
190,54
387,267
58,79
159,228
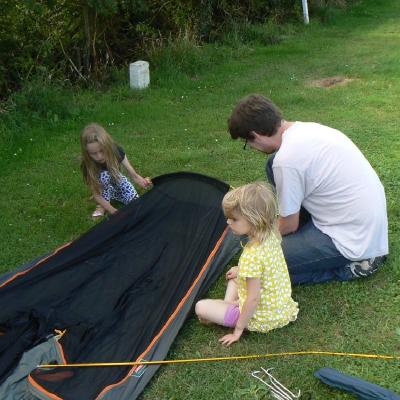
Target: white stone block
139,75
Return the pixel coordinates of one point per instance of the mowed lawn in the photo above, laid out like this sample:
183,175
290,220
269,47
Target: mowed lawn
343,73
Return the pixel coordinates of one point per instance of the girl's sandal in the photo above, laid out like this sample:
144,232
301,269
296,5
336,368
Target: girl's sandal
98,212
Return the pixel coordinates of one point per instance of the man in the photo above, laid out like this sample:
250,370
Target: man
332,204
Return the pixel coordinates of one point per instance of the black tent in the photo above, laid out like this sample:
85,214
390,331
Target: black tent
120,292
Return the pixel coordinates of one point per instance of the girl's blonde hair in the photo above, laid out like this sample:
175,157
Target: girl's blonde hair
256,202
95,133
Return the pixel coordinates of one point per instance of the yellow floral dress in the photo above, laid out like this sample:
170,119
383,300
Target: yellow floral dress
266,261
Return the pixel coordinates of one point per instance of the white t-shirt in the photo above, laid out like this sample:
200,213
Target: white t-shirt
323,170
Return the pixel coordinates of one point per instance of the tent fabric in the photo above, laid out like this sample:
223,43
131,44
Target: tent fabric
16,386
362,389
120,292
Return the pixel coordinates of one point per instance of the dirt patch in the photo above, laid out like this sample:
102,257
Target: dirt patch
331,81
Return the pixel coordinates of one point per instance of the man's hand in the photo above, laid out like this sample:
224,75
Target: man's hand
289,224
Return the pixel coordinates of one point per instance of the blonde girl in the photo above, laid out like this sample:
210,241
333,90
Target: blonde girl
258,295
100,165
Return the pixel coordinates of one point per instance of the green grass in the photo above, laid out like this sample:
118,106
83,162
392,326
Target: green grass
180,124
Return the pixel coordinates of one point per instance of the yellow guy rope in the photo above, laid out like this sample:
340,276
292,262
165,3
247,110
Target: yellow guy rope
230,358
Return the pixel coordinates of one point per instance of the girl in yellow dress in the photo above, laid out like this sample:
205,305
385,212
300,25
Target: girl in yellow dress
259,294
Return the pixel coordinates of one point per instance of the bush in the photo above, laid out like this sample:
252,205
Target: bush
38,102
325,10
268,33
81,40
176,57
42,100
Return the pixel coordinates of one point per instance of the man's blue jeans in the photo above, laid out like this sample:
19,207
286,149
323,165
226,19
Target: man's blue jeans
311,255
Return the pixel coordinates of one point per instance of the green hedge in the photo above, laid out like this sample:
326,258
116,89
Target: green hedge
61,39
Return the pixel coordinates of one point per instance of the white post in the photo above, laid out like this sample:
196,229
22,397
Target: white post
305,12
139,75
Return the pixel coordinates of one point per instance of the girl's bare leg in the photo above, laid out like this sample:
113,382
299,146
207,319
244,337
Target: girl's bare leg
231,294
210,310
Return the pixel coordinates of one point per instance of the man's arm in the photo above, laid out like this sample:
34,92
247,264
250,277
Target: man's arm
290,189
289,224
